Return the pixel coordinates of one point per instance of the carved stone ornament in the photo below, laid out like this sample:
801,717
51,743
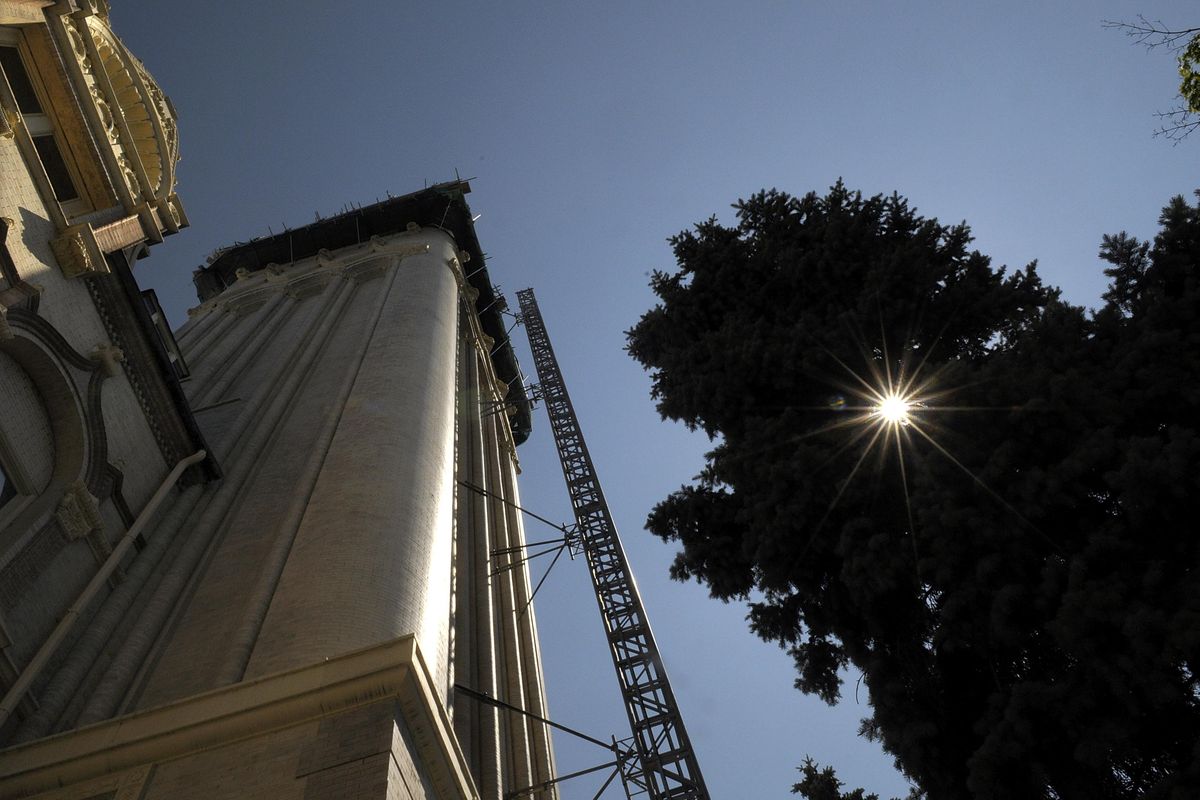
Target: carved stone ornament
93,7
108,356
77,252
8,123
78,512
6,332
78,48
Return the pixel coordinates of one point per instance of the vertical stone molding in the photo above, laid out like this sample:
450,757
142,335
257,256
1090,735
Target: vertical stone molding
371,559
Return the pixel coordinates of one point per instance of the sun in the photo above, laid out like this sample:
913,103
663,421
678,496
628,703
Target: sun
893,409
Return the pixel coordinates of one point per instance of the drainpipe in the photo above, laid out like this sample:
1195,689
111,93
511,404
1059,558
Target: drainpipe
35,665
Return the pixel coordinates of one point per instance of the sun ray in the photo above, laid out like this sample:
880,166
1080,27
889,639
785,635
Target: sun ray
887,358
980,482
912,528
850,421
871,390
879,430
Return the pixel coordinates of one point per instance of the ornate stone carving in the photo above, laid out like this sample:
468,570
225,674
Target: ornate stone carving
108,356
78,48
9,120
157,148
93,7
78,512
77,252
129,174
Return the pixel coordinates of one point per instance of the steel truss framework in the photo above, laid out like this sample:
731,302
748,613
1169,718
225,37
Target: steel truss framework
664,766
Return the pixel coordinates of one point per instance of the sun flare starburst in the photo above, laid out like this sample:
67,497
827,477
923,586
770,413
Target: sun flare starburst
894,409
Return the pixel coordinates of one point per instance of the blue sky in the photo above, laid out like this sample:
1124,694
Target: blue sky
595,131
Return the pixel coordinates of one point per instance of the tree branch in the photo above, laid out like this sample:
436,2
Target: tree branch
1152,34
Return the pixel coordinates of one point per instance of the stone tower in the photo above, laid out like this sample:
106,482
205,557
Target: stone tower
242,560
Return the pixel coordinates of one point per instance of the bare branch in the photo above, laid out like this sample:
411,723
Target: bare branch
1152,34
1177,125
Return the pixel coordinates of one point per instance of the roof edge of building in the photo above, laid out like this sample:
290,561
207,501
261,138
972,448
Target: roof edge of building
442,206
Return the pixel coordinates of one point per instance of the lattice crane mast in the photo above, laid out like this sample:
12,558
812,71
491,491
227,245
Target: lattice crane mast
660,761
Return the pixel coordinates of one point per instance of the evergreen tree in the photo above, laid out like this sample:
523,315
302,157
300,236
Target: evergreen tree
1014,569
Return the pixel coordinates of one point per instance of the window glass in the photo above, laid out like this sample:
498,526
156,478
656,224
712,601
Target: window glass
18,81
56,168
40,126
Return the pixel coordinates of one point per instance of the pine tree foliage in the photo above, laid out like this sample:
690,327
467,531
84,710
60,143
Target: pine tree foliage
1014,573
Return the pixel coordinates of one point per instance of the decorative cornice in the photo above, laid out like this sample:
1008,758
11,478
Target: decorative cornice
310,276
23,12
127,88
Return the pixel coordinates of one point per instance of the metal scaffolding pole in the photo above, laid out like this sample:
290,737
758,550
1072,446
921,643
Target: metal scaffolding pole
665,767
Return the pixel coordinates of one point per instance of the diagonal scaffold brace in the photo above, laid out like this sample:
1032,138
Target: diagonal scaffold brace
665,765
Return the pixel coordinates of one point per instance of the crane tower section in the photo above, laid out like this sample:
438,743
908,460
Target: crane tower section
662,763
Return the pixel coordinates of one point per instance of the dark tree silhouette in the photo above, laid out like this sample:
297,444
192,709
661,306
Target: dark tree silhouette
1014,570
